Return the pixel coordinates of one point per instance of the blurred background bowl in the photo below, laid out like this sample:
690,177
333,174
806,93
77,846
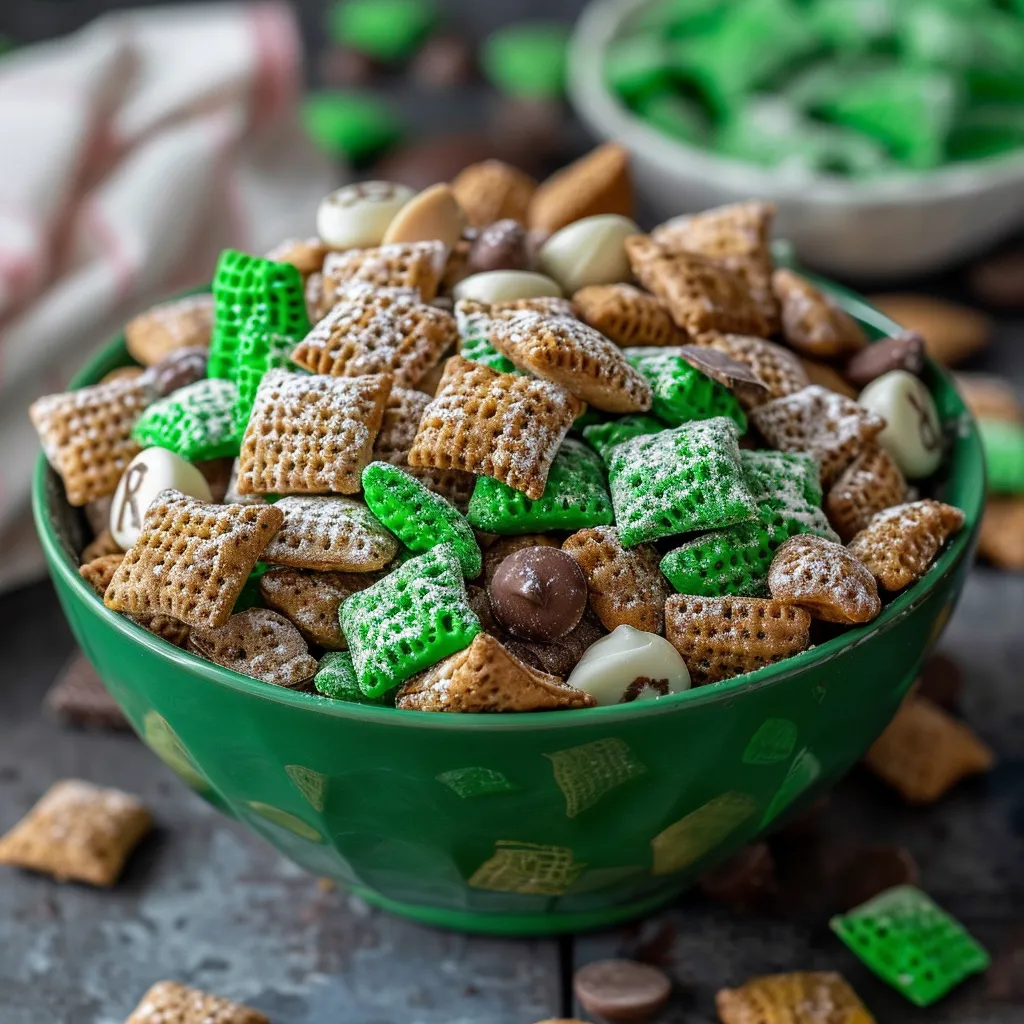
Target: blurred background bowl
877,229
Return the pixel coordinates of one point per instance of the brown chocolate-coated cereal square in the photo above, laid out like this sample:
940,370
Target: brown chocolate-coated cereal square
191,559
77,831
494,424
311,435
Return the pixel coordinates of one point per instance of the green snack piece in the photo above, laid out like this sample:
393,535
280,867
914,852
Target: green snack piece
406,622
417,516
676,18
244,285
197,422
350,125
735,560
677,481
574,498
755,44
681,392
675,115
388,30
856,26
1003,443
473,330
250,596
602,437
989,129
527,59
636,66
772,132
335,677
260,348
910,111
473,782
911,943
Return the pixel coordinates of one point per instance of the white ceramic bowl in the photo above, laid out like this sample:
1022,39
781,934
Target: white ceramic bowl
885,228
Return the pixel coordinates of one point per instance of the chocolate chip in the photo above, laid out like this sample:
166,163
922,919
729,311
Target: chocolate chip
344,66
621,990
443,62
873,870
178,369
499,246
999,280
719,366
942,680
904,351
423,164
539,593
744,880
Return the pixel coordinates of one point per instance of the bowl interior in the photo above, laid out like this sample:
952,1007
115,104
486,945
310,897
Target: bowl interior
959,482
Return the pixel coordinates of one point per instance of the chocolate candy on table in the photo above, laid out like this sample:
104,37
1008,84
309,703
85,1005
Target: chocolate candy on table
621,990
942,681
539,594
353,126
903,351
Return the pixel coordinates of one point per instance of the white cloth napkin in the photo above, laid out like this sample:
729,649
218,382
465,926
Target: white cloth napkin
131,153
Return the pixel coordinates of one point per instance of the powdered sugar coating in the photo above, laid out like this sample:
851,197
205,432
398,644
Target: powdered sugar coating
329,533
197,422
871,483
417,265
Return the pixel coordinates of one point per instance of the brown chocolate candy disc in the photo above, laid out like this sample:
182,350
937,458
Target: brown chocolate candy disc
539,593
903,351
621,989
178,369
499,246
736,376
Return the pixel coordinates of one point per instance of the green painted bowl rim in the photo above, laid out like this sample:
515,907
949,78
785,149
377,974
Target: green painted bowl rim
724,692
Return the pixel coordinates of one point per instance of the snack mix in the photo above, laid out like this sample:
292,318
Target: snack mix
419,463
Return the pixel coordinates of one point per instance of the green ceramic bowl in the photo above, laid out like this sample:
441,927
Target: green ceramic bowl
521,824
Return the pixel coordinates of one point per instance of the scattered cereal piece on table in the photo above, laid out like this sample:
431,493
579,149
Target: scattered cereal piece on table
181,323
197,422
167,1002
87,434
411,619
1002,533
192,559
870,484
722,637
77,832
257,643
621,990
494,424
744,881
486,677
803,996
911,943
900,543
311,434
329,533
990,397
924,751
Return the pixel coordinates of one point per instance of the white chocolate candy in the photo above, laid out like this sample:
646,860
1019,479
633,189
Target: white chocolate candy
629,664
432,215
912,434
150,472
589,251
357,216
505,286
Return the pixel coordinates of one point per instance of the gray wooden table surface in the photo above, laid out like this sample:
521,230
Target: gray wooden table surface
206,902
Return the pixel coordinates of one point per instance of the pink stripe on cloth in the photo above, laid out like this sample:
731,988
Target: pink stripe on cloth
278,60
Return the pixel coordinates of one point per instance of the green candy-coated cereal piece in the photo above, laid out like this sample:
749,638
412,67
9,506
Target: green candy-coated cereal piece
335,677
197,422
575,497
674,114
244,285
411,619
681,392
988,129
259,349
474,328
677,481
911,943
350,125
637,66
417,516
910,111
1003,443
602,437
856,26
527,59
389,30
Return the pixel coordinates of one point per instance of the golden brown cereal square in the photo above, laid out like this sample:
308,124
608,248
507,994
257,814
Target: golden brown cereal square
574,355
492,190
416,265
312,599
311,435
182,323
383,330
628,316
102,544
87,434
306,255
100,571
871,483
495,424
79,698
599,182
802,997
779,369
814,323
191,559
924,751
78,832
167,1002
